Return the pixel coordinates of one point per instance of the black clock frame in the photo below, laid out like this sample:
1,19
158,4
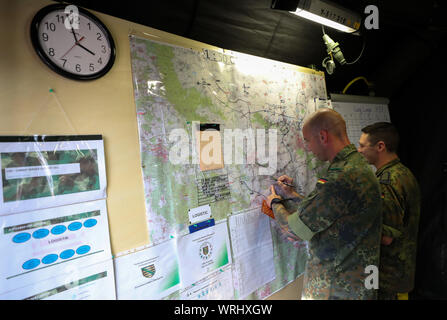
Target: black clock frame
34,33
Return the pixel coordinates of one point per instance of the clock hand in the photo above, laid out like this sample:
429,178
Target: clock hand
85,48
76,43
74,34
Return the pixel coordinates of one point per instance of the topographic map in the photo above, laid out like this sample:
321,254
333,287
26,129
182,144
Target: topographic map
176,88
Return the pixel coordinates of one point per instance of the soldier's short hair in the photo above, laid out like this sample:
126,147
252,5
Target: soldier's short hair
383,131
328,119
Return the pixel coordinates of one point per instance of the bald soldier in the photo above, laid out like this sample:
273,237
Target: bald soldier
401,210
341,217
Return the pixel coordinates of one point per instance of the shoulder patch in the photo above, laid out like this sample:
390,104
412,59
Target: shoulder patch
385,178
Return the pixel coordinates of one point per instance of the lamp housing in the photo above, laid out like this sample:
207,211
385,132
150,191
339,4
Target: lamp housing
323,12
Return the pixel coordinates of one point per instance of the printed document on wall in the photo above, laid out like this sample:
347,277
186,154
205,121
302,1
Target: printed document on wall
216,286
203,252
95,282
151,273
252,244
39,172
39,245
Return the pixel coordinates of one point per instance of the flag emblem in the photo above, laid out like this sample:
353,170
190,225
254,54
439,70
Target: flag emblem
148,271
322,181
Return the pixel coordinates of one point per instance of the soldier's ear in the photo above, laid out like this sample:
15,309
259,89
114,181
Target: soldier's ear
381,147
323,136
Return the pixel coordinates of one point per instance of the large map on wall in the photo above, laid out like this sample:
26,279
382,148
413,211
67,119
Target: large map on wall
181,89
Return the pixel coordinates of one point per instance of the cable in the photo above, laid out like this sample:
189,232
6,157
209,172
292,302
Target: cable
369,84
361,52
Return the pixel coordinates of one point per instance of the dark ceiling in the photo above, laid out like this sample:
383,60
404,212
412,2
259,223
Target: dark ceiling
407,36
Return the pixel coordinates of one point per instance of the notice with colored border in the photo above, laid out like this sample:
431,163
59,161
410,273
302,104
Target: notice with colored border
216,286
151,273
203,252
95,282
42,244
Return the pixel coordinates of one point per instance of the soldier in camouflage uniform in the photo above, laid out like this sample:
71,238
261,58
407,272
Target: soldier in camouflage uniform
401,210
340,218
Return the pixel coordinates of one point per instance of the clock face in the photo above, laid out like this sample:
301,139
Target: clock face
79,48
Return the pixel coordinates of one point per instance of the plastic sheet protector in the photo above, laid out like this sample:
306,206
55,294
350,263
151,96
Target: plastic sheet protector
52,245
47,171
151,273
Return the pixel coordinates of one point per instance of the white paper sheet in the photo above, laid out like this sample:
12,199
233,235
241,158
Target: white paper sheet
203,252
37,175
359,115
94,282
216,286
43,244
199,214
151,273
252,245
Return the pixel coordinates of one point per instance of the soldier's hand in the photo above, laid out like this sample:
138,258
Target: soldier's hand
285,182
272,196
284,190
285,179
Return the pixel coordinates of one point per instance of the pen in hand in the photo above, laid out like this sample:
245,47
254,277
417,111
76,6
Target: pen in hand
285,183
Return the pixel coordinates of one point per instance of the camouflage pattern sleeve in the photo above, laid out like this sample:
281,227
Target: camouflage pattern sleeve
401,213
321,208
393,211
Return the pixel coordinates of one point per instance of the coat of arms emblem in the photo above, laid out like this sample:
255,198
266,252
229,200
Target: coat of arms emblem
148,271
206,250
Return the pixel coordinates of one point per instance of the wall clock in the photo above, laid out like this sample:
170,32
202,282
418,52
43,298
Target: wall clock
81,48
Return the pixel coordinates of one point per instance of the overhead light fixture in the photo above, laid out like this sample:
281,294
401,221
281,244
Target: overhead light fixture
323,12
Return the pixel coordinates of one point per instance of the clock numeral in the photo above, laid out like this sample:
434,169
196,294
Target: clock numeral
78,67
100,61
50,26
89,26
103,48
65,61
45,36
60,19
51,52
99,36
91,67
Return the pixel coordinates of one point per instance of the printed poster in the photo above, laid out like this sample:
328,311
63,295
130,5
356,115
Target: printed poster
216,286
39,172
95,282
203,252
43,244
252,243
152,273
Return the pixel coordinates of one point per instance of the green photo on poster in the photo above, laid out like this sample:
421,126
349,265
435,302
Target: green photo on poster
31,175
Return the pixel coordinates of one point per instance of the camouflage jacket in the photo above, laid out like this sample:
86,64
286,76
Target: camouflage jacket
341,219
401,211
